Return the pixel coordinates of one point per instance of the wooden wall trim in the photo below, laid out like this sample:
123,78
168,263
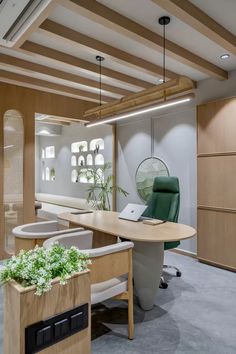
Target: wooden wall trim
223,266
114,165
225,210
227,153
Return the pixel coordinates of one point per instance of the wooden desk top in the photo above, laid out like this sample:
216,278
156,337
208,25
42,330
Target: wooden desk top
109,223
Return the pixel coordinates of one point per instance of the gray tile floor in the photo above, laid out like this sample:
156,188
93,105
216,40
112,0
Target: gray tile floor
196,314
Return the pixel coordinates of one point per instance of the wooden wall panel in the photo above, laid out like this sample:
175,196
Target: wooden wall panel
28,102
217,126
216,181
218,228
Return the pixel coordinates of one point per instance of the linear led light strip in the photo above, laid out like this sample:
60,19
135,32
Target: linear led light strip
166,104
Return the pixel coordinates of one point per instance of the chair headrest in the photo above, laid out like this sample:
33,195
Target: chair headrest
166,184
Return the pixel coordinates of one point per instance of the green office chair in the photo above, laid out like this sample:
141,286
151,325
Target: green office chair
163,204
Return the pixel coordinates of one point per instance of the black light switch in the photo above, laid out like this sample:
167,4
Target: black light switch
39,338
61,328
43,336
76,321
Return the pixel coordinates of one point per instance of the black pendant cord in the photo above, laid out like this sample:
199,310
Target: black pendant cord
163,21
100,59
164,53
100,82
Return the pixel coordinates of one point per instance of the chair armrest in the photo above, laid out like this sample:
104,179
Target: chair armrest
81,239
102,251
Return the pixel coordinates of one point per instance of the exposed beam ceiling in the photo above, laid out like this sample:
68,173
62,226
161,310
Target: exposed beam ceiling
27,65
200,21
55,30
115,21
40,50
62,89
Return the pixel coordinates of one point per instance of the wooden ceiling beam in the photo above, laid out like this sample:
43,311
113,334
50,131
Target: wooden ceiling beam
39,50
200,21
117,22
58,31
29,66
62,89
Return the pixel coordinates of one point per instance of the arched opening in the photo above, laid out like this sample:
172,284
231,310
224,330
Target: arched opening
81,161
13,155
73,160
99,159
89,160
96,145
79,146
47,174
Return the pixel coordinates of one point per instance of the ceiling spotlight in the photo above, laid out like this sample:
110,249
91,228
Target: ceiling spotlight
224,56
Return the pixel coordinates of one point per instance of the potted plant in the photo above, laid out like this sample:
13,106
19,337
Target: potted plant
33,292
102,186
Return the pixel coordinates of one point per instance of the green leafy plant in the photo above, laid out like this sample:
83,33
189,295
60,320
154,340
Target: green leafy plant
40,266
102,186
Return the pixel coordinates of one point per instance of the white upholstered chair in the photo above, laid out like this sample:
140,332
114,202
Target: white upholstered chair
111,271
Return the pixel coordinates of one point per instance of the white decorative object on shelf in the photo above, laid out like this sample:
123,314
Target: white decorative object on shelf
81,161
73,160
99,159
79,146
96,143
43,154
74,176
43,175
89,160
50,152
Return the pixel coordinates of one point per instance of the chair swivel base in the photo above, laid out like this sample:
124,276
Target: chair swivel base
163,284
178,272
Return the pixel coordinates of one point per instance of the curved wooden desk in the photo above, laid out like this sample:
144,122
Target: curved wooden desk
148,241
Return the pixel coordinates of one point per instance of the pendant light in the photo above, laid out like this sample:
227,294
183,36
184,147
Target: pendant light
163,21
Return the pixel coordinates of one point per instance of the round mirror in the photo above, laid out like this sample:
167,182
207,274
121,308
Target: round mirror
148,169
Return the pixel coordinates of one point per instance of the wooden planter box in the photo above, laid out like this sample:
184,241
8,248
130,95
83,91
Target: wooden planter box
23,308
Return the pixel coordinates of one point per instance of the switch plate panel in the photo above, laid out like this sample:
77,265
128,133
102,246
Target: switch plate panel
54,329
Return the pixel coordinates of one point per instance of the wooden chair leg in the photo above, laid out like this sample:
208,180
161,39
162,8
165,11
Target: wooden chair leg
130,299
130,318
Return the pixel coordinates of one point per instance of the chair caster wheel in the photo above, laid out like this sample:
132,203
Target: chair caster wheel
163,286
178,274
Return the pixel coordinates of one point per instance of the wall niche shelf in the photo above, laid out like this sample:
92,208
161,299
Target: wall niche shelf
79,146
96,144
86,155
48,173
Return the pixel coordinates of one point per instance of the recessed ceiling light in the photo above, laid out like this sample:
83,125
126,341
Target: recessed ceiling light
224,56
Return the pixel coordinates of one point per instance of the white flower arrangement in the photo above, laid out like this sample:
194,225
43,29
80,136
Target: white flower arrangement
40,266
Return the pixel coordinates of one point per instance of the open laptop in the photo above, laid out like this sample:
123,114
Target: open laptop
132,212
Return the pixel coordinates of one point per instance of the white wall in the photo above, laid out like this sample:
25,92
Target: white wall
175,143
